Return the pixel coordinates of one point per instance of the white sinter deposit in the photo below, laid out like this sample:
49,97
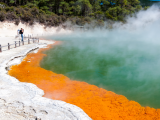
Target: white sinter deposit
24,101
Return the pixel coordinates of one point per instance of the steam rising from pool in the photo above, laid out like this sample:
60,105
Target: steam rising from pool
125,59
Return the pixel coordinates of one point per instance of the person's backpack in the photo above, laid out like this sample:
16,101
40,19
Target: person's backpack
20,32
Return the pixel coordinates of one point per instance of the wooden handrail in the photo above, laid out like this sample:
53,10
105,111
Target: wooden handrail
19,42
8,46
0,48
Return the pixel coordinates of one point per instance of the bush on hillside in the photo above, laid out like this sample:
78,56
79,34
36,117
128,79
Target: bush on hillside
100,23
42,18
11,16
87,19
10,9
31,22
19,11
99,15
63,18
26,9
27,16
17,21
34,11
2,16
30,5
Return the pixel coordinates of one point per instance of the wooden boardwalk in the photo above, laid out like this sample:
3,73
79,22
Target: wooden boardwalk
27,40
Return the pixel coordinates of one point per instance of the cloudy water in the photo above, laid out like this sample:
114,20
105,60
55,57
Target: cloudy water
125,60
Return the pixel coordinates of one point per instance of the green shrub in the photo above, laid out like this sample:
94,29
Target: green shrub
78,21
31,22
10,9
59,20
100,23
7,9
99,15
48,18
108,15
26,9
91,14
11,16
146,7
138,8
99,12
17,21
19,11
2,3
34,11
27,16
30,5
41,11
42,18
120,18
55,21
2,16
49,13
87,19
63,18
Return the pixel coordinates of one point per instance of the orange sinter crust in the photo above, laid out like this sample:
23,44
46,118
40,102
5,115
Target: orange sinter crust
98,103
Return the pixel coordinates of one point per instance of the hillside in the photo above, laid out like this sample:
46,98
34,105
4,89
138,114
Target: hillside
56,12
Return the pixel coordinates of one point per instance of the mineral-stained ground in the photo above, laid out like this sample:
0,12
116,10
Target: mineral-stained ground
98,103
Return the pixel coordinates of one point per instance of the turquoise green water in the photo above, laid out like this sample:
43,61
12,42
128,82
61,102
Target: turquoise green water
125,65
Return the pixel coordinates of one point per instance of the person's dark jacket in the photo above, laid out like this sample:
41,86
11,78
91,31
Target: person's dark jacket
20,32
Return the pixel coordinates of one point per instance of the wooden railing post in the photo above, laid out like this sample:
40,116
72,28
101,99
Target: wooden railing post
15,44
34,41
0,48
8,46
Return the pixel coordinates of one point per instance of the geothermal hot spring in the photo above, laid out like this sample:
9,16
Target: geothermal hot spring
124,60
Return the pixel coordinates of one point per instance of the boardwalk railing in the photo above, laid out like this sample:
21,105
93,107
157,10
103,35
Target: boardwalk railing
19,43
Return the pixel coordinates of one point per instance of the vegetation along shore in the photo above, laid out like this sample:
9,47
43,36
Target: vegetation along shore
78,12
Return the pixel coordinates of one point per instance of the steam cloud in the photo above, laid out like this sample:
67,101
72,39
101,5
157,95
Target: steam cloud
9,29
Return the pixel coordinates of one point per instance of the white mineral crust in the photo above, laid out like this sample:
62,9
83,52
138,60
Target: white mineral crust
24,101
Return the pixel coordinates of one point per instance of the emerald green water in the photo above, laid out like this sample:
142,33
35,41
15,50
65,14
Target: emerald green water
129,68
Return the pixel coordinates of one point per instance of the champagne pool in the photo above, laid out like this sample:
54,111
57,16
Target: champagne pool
123,62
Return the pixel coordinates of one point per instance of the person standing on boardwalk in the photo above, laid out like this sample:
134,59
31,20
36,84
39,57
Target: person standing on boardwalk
21,32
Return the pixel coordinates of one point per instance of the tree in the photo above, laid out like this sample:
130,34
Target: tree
86,7
78,9
97,9
64,8
11,1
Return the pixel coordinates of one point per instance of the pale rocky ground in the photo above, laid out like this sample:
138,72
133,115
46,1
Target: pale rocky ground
24,101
